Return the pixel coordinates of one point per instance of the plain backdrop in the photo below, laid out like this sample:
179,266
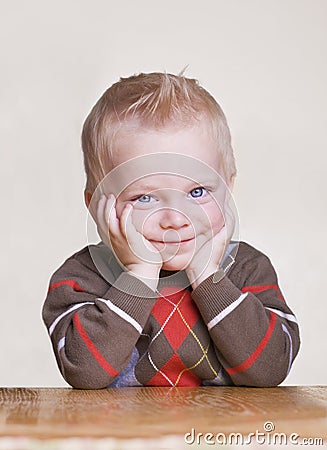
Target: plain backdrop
265,63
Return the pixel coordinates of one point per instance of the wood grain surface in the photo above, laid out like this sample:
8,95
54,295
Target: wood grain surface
153,412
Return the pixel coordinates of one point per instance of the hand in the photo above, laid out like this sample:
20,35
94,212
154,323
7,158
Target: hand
210,250
133,251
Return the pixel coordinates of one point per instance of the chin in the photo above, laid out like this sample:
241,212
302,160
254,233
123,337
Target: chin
176,264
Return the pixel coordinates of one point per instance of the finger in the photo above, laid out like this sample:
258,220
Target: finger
229,221
126,224
111,215
100,212
99,219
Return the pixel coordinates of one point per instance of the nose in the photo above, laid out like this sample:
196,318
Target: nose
173,219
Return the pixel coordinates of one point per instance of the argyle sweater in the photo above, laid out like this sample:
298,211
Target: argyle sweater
234,328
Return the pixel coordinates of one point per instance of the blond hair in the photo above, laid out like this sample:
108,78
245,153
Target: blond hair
155,100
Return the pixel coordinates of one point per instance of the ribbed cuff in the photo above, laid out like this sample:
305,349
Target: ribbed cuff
132,296
213,297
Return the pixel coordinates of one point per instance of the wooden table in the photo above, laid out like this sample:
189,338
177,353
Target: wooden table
158,417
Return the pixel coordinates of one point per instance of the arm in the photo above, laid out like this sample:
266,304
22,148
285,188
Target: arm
94,326
255,333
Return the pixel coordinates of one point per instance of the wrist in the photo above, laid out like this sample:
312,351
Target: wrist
197,278
148,275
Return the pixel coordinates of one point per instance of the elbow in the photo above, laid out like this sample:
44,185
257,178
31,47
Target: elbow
266,377
83,381
83,377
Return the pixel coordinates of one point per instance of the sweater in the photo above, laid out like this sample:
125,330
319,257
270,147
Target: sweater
109,329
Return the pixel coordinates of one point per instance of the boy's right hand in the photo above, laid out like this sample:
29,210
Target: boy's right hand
132,250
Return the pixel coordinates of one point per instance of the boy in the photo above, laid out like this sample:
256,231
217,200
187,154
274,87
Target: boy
166,299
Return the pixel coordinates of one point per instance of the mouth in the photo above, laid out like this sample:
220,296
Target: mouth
182,242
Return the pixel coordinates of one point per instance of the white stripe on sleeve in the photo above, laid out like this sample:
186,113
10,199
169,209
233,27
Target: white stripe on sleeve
291,348
61,344
76,306
289,317
213,322
122,314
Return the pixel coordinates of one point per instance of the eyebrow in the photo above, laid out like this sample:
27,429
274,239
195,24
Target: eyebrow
149,187
142,187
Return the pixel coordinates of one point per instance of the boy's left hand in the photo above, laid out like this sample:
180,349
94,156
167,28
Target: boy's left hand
210,250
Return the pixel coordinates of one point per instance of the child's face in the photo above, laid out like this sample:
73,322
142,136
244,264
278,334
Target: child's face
172,211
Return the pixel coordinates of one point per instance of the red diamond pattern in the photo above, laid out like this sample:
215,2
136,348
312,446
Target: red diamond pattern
175,331
173,367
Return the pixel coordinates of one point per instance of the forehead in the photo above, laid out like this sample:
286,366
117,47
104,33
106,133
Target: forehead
195,140
139,153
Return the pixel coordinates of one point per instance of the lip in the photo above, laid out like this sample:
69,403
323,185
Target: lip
184,241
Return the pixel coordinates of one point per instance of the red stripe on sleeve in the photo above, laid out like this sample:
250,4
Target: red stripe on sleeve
257,352
262,288
95,352
70,283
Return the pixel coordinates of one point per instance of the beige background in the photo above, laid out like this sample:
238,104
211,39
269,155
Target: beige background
264,61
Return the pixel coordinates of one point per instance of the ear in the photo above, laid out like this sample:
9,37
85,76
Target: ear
87,198
90,205
231,183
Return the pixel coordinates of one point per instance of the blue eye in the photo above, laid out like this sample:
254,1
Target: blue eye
144,199
198,192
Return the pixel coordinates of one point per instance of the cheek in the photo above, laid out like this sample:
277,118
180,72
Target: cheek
214,218
139,217
142,221
119,209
